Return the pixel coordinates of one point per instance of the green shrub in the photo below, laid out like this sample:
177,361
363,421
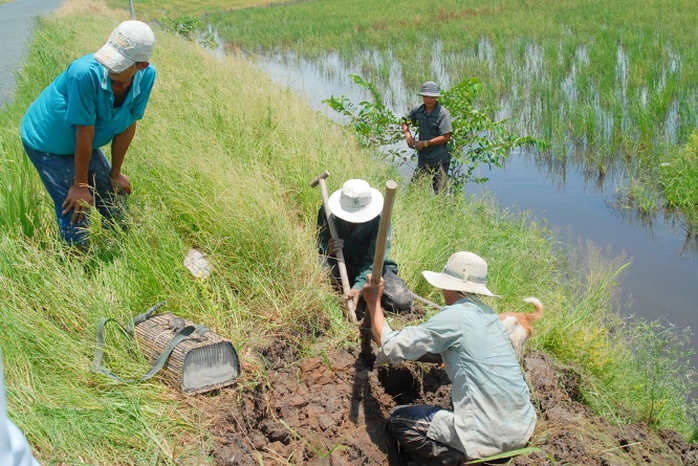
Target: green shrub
476,138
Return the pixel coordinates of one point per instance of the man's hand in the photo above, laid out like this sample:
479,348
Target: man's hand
373,293
408,135
335,245
78,200
353,295
120,181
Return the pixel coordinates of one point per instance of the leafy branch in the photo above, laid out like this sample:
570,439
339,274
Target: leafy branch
476,138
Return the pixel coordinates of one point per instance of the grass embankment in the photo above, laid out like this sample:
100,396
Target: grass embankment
222,161
608,82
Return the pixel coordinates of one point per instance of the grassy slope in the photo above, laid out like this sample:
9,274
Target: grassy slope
222,161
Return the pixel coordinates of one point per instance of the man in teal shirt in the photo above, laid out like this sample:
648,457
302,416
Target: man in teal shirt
95,101
492,411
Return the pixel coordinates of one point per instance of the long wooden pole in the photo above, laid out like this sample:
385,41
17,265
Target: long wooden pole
341,265
377,271
383,229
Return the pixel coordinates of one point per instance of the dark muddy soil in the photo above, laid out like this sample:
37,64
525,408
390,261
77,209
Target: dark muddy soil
332,410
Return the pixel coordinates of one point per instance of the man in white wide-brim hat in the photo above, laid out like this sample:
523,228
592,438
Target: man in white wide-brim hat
356,209
492,411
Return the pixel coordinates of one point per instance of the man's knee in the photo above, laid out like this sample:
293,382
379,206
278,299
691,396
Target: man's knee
396,296
410,424
76,234
402,423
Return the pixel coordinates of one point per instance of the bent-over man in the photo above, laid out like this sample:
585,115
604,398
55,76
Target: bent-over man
356,209
95,101
492,411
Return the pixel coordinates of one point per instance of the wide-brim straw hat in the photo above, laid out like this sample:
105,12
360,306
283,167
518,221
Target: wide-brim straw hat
465,272
356,202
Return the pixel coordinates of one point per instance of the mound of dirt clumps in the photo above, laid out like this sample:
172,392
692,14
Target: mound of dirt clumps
332,410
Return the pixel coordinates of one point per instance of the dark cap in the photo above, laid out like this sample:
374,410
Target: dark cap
429,89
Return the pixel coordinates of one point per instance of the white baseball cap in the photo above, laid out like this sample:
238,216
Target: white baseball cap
464,271
356,202
132,41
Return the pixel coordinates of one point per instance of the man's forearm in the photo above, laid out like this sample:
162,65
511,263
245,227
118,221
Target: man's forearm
439,140
377,319
119,147
84,136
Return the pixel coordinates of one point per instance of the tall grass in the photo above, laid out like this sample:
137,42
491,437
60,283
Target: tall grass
222,161
677,175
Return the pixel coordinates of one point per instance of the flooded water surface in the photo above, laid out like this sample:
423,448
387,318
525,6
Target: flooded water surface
662,278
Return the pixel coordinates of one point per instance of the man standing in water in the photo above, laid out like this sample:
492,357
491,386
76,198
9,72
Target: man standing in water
434,125
95,101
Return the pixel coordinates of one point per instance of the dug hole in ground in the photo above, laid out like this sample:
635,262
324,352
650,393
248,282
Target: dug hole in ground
332,410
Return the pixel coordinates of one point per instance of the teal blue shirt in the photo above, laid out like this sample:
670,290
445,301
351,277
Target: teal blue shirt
492,410
82,95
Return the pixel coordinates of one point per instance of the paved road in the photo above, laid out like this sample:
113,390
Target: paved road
17,21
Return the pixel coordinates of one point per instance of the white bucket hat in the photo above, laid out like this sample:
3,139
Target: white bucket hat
465,272
356,202
132,41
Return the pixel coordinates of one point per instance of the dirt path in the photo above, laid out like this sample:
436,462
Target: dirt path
333,410
17,26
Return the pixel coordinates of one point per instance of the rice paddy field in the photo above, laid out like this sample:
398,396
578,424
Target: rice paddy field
150,10
610,84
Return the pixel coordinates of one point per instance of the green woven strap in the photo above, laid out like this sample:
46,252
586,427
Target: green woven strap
97,365
145,316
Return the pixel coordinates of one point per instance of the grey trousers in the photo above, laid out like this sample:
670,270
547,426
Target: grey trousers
409,425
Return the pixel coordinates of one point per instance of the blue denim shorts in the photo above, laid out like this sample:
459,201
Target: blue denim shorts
57,172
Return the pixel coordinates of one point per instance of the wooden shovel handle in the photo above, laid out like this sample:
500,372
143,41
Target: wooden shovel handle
383,229
341,265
